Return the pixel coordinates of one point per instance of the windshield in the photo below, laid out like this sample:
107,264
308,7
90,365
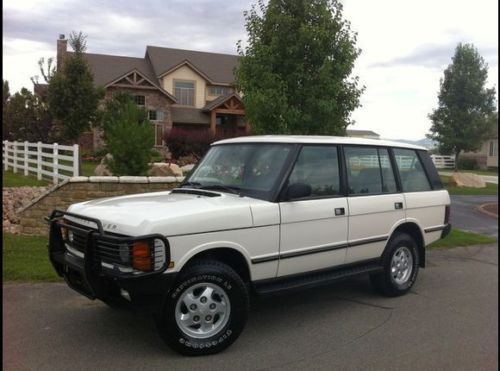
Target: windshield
247,169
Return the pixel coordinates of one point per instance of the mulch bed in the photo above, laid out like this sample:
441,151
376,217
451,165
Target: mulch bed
491,209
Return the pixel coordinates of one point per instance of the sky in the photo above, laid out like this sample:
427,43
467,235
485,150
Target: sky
405,45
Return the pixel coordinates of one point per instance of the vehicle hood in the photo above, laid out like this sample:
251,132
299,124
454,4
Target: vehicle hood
169,213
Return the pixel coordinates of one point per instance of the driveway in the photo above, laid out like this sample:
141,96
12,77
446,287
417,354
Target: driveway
464,215
448,322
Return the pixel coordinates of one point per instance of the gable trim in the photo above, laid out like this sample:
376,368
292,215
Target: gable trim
143,78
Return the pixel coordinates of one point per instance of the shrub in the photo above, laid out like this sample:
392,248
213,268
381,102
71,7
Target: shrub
467,164
129,137
195,143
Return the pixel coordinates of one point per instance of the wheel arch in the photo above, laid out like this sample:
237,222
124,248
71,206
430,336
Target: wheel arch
414,230
227,254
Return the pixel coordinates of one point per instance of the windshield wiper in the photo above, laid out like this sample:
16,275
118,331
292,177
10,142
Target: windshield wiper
230,189
187,184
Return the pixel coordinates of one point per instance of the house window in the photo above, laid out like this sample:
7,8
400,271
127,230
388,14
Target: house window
184,92
219,90
493,148
156,115
140,100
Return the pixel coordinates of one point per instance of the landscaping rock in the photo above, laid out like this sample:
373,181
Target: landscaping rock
466,180
186,160
102,169
187,168
164,169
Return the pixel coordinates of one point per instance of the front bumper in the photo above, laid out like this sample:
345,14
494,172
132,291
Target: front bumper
91,264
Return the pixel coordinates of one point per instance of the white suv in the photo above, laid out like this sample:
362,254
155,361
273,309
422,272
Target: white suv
259,214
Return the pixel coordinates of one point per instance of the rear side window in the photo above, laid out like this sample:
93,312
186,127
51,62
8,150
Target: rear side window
369,171
411,170
318,166
431,170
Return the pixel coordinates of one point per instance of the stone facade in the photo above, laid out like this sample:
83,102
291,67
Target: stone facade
155,100
81,189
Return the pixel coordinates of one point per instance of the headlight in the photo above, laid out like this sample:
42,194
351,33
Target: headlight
71,236
159,254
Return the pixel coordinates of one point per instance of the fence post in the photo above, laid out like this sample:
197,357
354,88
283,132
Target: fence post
26,158
76,160
6,155
39,160
55,160
14,167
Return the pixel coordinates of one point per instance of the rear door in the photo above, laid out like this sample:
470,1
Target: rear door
425,199
313,232
375,203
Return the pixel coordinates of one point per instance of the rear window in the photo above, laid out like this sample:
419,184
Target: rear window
411,171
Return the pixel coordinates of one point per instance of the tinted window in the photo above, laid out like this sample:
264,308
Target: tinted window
369,171
412,173
318,166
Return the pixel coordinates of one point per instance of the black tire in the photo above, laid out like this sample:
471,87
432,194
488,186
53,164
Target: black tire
205,272
384,282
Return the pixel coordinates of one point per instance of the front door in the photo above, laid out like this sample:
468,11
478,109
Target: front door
313,232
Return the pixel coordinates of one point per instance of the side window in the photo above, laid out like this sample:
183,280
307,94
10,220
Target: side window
412,172
363,170
318,166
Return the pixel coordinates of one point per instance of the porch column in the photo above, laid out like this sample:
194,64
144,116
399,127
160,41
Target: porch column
213,116
247,126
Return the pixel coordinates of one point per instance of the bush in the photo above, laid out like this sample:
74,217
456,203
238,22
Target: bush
129,137
192,143
467,164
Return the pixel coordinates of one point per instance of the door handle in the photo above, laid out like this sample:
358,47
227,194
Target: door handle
398,205
339,211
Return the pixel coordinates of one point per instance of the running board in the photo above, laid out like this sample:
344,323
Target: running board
315,278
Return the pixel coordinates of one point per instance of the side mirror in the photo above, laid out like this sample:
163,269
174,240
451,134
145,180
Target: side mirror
297,190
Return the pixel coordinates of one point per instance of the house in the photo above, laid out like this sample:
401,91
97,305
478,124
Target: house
179,89
368,134
487,155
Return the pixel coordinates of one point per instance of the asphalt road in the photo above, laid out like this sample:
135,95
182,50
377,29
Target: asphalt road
466,216
448,322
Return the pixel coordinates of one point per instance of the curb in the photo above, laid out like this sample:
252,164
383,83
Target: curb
481,208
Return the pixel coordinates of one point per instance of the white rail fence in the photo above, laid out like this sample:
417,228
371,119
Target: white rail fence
443,162
50,161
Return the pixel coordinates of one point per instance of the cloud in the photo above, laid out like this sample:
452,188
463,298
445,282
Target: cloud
433,56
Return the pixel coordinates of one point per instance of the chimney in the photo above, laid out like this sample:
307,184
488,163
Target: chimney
62,46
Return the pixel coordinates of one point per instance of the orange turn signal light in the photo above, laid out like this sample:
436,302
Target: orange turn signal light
141,256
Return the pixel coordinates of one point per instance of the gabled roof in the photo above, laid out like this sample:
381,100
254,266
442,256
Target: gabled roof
107,68
218,101
218,68
361,132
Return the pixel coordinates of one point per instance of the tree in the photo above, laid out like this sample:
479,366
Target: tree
465,115
128,135
72,97
47,75
26,117
294,73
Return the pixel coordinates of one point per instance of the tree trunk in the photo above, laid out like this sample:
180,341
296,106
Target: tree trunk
457,154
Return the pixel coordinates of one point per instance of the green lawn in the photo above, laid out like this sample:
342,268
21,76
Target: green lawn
458,237
19,180
25,259
88,168
490,189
